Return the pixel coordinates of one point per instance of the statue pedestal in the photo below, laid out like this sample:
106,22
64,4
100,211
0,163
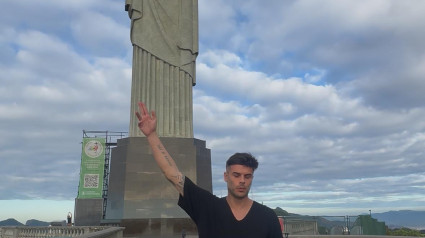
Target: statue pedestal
139,192
88,211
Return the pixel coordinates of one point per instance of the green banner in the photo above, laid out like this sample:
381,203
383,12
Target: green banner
92,168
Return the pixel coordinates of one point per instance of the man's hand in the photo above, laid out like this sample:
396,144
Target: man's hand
147,123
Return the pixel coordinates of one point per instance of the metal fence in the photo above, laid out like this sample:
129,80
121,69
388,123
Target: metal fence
333,225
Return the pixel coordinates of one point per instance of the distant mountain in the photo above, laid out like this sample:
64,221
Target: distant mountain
10,222
33,222
403,218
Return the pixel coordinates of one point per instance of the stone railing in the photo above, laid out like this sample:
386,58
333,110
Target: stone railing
61,232
299,227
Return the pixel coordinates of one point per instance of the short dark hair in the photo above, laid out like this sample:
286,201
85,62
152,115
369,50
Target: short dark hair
245,159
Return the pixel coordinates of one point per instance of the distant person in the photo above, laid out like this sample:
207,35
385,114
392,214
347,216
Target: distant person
233,216
69,219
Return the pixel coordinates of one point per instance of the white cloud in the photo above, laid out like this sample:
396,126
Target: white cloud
329,101
303,132
100,34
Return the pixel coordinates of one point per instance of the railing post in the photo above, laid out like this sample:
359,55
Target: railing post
9,232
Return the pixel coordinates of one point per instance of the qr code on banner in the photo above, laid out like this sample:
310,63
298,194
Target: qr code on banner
91,181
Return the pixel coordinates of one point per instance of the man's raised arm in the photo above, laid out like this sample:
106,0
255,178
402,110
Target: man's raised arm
147,124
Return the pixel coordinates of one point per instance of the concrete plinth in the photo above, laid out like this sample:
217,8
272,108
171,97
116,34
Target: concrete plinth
138,191
88,212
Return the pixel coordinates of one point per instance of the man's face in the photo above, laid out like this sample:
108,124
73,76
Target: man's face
238,179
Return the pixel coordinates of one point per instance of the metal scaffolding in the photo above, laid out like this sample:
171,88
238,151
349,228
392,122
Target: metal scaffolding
111,141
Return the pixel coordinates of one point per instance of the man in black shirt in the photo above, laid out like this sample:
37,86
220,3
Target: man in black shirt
233,216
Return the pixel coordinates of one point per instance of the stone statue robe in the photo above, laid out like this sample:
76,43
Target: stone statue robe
164,34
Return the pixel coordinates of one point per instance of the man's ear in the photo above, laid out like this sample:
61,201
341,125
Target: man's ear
225,176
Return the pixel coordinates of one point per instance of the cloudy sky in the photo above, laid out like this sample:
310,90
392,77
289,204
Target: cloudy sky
329,95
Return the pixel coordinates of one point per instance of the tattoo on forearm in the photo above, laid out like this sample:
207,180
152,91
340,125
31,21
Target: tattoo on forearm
164,154
179,183
176,179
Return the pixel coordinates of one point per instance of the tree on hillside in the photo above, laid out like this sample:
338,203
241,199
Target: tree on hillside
404,232
280,212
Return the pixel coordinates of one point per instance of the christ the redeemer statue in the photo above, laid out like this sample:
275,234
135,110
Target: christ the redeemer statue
164,35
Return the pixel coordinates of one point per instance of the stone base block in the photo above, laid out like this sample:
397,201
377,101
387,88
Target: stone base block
138,189
88,212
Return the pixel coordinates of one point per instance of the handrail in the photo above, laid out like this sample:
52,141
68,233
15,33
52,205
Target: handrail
62,231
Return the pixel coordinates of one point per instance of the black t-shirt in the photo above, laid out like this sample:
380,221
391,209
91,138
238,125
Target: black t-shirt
215,219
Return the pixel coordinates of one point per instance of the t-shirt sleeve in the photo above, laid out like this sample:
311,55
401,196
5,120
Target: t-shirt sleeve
193,200
275,229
